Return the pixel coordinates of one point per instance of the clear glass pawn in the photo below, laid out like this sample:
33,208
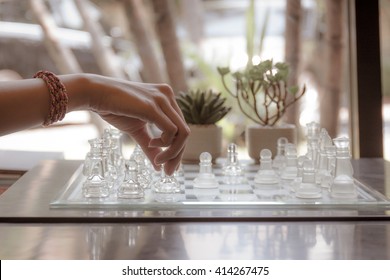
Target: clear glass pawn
291,170
232,171
343,183
279,161
266,174
130,188
206,178
166,184
308,188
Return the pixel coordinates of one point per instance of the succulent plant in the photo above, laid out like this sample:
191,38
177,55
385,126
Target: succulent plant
202,107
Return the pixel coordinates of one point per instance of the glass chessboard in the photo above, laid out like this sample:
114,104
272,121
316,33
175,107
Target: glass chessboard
246,194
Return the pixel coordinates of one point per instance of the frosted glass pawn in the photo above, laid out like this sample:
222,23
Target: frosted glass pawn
166,184
343,184
232,171
130,188
206,178
308,188
279,161
266,174
291,170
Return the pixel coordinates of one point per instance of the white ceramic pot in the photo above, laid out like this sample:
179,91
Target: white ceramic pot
203,138
260,137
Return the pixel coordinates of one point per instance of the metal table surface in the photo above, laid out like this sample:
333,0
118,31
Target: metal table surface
30,229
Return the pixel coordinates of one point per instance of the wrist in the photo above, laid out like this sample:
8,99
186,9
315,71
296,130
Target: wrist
79,89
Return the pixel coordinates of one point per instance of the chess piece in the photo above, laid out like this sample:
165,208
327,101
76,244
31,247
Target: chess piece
291,169
313,135
322,159
95,186
95,149
144,173
343,183
166,189
232,171
266,174
206,178
116,156
298,180
114,164
308,188
166,184
279,161
331,155
328,173
130,187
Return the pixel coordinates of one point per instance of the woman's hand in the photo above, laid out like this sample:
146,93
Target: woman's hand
130,106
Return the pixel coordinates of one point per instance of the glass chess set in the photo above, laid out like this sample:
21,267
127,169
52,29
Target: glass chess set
321,178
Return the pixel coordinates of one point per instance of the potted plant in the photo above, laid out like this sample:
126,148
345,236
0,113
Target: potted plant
263,96
202,110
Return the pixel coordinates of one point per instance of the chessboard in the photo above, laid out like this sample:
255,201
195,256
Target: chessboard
247,194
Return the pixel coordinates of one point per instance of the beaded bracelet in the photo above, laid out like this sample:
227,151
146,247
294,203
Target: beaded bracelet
58,97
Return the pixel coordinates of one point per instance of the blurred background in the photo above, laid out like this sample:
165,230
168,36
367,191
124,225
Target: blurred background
182,42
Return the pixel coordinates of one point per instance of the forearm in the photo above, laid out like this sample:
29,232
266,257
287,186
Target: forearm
25,104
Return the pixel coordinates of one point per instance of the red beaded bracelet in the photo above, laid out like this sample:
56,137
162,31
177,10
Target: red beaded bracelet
58,97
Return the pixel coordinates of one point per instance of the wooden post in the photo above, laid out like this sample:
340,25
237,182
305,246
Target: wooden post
293,50
330,99
107,60
166,31
62,56
136,15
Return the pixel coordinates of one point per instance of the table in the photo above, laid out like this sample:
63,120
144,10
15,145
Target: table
30,229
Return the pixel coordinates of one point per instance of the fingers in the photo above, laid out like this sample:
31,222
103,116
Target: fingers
138,131
170,160
172,165
142,137
174,142
171,96
136,104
